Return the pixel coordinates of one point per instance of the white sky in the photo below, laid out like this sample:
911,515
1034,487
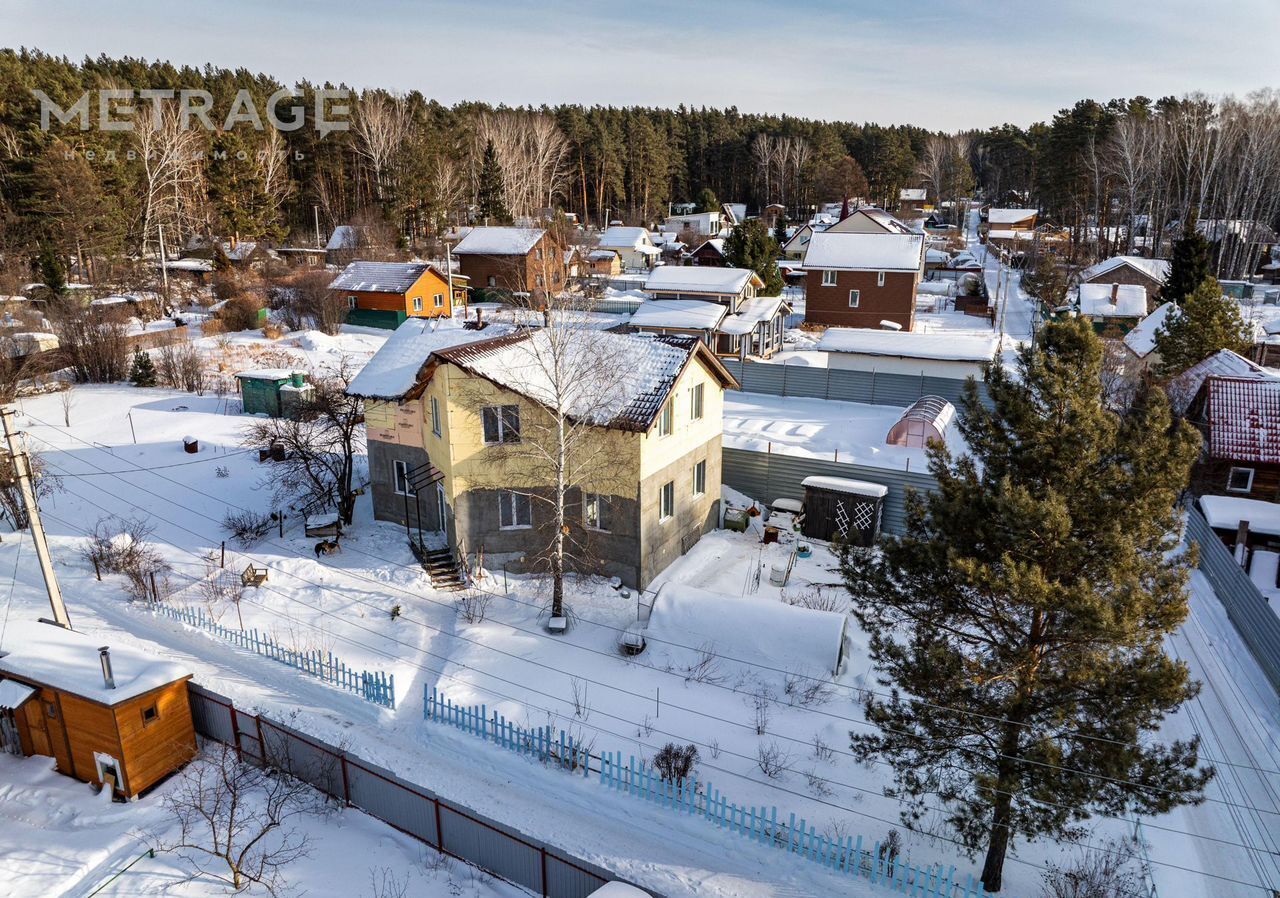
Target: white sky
937,63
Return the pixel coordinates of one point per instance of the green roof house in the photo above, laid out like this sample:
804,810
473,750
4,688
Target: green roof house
272,391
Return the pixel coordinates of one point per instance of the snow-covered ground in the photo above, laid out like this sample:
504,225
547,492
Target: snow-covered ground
343,604
59,839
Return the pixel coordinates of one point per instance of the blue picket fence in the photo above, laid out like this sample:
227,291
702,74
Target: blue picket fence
378,688
756,824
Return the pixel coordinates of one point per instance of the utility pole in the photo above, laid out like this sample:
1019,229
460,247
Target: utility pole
315,211
164,263
22,472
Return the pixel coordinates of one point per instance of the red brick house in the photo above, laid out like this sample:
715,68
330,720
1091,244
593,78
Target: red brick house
511,260
863,280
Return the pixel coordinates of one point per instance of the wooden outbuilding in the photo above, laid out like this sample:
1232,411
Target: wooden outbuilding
118,717
839,508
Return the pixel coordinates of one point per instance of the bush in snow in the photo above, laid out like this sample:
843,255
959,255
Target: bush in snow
806,691
816,598
772,760
474,606
674,763
119,546
247,527
1104,872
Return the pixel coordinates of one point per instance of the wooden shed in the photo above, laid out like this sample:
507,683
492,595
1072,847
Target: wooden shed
924,422
839,508
105,715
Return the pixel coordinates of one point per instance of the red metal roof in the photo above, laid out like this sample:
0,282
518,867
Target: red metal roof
1244,419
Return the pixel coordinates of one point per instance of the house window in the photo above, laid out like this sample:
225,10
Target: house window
666,420
853,298
514,512
537,254
150,715
1240,480
667,500
879,278
351,302
828,278
596,514
417,303
501,423
700,478
493,281
403,486
438,299
435,416
537,280
695,401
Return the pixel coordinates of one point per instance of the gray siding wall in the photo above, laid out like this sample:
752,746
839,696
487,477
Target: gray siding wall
870,387
768,477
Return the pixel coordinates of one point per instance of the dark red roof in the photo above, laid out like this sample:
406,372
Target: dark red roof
1244,419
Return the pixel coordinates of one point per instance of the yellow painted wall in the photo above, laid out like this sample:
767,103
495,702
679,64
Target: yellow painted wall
425,288
687,434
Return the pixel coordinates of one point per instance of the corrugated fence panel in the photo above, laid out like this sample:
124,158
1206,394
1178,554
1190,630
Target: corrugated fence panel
382,796
305,759
767,477
469,838
568,880
212,718
871,387
1246,607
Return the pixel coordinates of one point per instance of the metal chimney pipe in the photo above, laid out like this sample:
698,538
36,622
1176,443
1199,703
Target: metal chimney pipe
104,655
1115,292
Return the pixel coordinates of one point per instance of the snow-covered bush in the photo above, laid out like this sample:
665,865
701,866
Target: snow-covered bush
120,546
247,527
674,763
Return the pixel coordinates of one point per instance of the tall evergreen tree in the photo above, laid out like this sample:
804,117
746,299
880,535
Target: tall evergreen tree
490,198
1207,322
706,200
1032,592
52,272
1190,265
780,230
143,373
750,246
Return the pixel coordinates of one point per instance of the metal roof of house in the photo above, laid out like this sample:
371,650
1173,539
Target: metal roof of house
397,366
1182,389
681,314
1244,419
699,279
1156,269
1009,216
853,251
1097,301
625,238
499,242
379,277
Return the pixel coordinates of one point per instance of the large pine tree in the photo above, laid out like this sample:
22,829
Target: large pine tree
1190,265
490,195
1207,322
1031,593
750,246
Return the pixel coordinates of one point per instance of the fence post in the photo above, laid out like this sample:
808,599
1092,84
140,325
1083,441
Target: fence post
439,827
543,853
346,782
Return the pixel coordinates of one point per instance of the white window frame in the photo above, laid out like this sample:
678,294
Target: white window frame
829,276
435,416
667,501
1231,476
493,281
700,478
696,401
508,501
351,302
879,278
503,416
400,476
439,300
417,303
539,280
667,419
600,504
855,297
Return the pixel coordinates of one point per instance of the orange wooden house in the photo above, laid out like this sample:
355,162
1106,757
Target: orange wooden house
117,716
384,294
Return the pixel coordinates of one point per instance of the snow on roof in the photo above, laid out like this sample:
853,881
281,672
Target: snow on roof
845,485
1016,234
748,628
1009,216
699,279
909,345
1156,269
912,194
1142,339
1183,388
716,243
937,256
687,314
396,366
751,313
1226,513
613,380
189,264
67,660
241,251
1096,301
498,242
379,277
625,238
865,252
1244,419
117,299
343,237
13,694
267,373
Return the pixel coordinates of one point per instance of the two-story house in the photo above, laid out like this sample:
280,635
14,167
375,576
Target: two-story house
863,279
634,247
747,324
471,424
384,294
511,260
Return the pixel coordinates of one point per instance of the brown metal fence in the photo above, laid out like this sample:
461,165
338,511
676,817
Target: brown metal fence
410,808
